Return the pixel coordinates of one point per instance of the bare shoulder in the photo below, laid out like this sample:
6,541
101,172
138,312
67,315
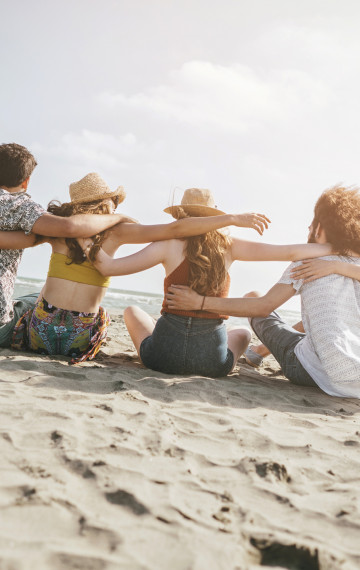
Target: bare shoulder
169,251
235,241
174,253
119,231
111,242
234,244
228,255
175,246
170,247
237,244
116,236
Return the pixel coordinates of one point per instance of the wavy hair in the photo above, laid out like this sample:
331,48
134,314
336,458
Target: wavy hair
338,212
206,257
68,209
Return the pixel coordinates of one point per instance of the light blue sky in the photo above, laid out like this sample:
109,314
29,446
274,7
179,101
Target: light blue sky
257,100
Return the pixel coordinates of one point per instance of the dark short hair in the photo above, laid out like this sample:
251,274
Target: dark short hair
16,164
338,212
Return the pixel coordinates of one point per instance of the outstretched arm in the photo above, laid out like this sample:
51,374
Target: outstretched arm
181,297
151,255
255,251
79,225
312,269
131,233
16,240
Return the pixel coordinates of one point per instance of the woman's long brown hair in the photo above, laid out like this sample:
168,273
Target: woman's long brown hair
68,209
206,257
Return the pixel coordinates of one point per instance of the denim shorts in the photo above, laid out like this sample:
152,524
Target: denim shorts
188,345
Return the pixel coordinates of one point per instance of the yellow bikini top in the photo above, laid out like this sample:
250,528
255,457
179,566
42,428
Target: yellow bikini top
61,268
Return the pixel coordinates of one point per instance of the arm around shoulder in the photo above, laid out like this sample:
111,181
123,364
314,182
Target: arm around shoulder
80,225
251,306
186,227
244,250
147,257
52,226
181,297
16,240
311,269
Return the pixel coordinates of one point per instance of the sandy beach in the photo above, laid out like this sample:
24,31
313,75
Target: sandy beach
109,465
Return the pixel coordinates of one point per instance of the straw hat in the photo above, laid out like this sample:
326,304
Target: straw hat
196,202
92,187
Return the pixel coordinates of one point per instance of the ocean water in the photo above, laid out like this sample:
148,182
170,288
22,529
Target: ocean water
117,299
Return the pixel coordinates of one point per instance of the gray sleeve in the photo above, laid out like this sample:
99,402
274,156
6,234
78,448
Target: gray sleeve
286,278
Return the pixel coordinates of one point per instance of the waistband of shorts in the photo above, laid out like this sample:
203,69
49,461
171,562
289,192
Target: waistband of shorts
192,321
49,308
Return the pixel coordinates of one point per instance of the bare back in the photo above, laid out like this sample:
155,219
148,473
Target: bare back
75,296
70,295
175,254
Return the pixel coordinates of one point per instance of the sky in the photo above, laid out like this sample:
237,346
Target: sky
257,100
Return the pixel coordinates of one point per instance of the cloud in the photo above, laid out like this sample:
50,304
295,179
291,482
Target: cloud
233,98
94,148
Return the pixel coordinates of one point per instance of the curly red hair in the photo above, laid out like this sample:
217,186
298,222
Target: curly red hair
338,212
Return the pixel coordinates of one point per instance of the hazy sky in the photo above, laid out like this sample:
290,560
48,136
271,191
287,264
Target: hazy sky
256,99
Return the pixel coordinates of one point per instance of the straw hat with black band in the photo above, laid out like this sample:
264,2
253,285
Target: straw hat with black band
92,187
195,202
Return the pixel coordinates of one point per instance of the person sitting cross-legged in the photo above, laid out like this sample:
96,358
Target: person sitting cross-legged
327,355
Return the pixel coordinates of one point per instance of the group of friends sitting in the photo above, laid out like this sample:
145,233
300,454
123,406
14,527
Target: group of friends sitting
190,337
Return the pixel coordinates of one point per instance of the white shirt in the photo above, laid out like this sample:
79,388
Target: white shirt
330,310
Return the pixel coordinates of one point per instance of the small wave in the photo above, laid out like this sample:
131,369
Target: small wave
141,298
29,281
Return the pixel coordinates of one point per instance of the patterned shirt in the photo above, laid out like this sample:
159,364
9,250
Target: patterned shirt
330,310
17,212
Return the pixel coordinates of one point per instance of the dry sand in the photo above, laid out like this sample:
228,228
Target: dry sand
110,465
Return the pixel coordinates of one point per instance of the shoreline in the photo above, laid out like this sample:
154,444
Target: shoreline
116,300
110,465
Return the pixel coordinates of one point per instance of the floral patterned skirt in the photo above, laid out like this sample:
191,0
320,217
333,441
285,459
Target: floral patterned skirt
49,330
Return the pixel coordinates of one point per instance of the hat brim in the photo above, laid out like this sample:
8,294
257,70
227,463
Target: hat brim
120,192
193,210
